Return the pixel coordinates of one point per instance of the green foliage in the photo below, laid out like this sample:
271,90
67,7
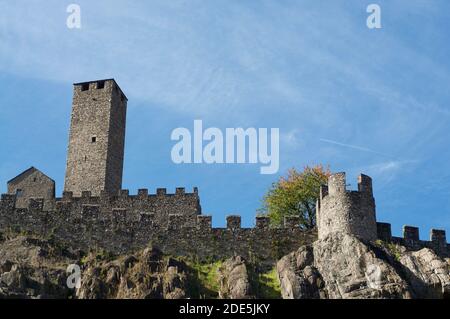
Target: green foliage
98,255
205,284
391,248
266,285
84,260
206,278
104,255
296,195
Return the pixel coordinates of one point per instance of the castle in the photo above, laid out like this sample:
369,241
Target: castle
95,213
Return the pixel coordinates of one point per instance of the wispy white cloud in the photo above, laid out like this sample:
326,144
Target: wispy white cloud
236,60
202,58
390,167
291,138
377,98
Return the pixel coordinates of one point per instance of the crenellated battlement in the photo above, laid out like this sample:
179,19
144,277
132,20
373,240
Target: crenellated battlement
411,238
160,203
8,201
126,229
94,212
174,222
337,186
353,212
87,212
142,193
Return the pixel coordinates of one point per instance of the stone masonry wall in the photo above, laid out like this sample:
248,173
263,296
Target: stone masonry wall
97,136
86,223
35,184
123,224
351,212
411,240
159,205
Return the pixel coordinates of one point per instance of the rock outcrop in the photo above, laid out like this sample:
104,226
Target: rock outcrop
145,276
427,274
234,279
299,279
337,266
32,269
342,266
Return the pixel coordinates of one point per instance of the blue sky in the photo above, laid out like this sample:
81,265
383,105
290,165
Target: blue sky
359,100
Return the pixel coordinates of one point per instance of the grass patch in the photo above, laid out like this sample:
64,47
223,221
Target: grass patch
266,284
205,283
269,285
391,248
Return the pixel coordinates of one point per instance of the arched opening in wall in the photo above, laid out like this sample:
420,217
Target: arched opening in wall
19,193
85,87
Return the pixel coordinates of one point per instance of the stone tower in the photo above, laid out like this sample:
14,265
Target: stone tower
350,212
97,138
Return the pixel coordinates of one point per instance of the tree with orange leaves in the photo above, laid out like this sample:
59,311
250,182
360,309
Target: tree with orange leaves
296,195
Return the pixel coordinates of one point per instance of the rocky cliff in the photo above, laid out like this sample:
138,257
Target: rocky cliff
338,266
342,266
34,268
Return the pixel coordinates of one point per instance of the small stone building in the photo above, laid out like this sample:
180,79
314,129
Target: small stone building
31,183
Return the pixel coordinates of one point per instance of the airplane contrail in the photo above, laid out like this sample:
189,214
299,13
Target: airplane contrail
356,147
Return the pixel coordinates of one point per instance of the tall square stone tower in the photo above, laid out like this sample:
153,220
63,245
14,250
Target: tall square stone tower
97,138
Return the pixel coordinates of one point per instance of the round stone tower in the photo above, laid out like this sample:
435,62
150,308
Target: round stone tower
350,212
